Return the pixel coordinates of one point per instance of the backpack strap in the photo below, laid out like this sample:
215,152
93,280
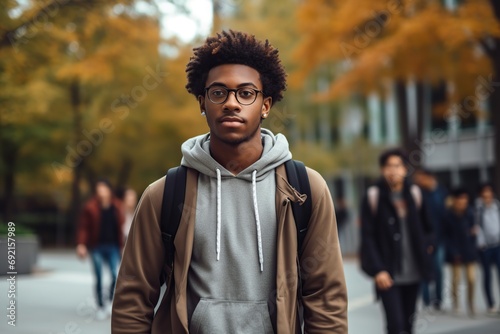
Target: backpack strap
171,209
417,195
373,194
297,177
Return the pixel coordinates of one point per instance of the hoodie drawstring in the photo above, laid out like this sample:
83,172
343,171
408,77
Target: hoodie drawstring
257,219
218,212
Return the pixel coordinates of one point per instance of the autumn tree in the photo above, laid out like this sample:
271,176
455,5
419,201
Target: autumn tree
88,93
376,43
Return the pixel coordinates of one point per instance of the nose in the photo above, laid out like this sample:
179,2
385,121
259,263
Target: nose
231,101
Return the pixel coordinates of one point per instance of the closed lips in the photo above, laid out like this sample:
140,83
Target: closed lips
231,119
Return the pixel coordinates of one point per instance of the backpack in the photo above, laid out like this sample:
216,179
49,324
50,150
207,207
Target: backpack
373,195
175,190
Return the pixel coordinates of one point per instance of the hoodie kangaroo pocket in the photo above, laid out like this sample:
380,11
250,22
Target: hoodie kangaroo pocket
213,316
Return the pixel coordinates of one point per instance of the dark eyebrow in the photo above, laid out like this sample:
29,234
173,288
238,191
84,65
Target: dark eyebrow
245,84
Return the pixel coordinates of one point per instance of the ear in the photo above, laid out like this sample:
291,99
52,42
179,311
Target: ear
201,102
266,107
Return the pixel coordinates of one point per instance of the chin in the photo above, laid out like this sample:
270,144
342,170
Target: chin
394,180
237,137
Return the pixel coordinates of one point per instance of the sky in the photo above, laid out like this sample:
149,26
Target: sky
174,22
186,27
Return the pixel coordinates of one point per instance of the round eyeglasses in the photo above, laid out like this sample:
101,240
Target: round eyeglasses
244,95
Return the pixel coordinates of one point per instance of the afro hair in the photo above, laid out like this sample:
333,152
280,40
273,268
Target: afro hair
235,47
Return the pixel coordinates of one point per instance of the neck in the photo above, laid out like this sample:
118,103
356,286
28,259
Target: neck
105,203
236,158
396,187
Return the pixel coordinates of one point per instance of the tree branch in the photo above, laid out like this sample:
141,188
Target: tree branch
11,37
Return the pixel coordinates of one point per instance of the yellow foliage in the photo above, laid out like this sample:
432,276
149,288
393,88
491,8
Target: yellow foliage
391,39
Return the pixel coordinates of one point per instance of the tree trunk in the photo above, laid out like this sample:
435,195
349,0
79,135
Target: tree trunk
402,103
495,114
74,207
494,53
124,173
216,14
411,133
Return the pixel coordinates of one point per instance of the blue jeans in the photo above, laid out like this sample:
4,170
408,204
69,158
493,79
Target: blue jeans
488,257
437,295
111,255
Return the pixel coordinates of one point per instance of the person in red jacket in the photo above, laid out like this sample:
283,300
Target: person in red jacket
100,234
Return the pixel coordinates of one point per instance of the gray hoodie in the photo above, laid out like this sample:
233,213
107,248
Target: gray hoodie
233,265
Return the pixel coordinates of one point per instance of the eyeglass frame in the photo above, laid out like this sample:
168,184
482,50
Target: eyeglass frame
229,90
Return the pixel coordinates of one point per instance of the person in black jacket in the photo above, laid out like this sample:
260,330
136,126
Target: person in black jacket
396,241
461,247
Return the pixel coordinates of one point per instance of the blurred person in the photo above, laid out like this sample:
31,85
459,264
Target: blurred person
236,263
129,205
487,218
460,233
99,233
434,195
396,241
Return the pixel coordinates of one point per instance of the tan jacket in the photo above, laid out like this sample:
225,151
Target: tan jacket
324,294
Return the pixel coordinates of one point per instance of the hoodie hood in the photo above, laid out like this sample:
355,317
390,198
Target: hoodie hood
196,155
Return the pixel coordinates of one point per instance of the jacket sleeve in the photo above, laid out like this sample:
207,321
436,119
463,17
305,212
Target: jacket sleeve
428,228
82,232
324,293
450,237
370,257
138,283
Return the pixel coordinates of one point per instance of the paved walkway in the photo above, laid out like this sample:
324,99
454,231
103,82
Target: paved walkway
58,299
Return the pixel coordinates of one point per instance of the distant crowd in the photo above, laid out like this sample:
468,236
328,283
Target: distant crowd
411,226
467,231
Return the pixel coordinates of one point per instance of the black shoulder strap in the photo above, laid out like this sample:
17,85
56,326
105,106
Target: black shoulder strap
297,177
171,209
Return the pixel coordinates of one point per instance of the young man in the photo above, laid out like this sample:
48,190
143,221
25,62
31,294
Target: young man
396,241
461,247
488,238
100,233
434,195
236,264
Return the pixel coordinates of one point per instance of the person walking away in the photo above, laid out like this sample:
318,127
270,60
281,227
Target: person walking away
434,195
99,234
396,241
488,239
461,247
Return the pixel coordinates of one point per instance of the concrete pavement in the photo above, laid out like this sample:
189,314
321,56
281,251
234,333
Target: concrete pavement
58,299
366,316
